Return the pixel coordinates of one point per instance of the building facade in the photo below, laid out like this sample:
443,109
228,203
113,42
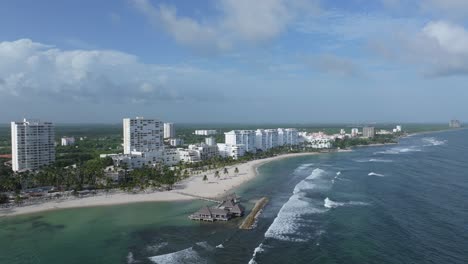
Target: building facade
142,135
233,151
175,142
68,141
32,144
205,132
242,137
368,132
210,141
204,151
455,124
169,130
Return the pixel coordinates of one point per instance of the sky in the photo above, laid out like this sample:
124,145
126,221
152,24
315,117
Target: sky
231,61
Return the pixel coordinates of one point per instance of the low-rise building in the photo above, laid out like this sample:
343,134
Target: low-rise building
67,141
175,142
205,132
205,151
233,151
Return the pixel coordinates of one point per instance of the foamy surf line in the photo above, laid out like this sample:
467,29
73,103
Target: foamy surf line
375,174
432,141
327,203
289,219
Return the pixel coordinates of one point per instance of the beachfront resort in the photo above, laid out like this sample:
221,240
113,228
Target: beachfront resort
155,163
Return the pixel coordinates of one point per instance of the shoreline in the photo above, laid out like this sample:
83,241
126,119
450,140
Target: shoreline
185,190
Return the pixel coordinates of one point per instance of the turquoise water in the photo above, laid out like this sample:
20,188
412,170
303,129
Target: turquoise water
389,204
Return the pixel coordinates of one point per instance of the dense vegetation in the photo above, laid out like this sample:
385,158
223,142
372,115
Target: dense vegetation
352,142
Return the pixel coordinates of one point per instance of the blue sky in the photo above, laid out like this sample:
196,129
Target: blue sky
234,60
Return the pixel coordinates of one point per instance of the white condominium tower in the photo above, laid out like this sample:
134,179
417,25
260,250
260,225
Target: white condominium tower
169,130
266,139
142,135
32,144
241,137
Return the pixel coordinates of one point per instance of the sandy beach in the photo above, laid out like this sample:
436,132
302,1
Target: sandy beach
187,189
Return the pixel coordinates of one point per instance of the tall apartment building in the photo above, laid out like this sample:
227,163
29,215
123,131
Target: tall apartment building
32,144
266,139
455,124
142,135
354,132
282,137
368,132
242,137
169,130
260,139
292,136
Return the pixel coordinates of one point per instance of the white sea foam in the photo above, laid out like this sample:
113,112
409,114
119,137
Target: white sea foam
130,258
155,248
257,250
289,218
205,245
220,246
188,255
399,150
338,173
332,204
431,141
380,160
303,167
375,174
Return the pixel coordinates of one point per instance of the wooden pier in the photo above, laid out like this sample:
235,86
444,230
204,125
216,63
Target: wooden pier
251,219
200,197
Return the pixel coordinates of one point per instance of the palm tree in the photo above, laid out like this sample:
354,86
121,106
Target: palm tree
236,171
205,178
217,174
226,172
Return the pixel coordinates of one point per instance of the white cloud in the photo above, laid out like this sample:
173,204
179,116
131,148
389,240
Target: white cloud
438,49
238,22
29,69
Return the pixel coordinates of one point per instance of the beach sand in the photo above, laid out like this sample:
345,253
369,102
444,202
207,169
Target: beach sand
185,190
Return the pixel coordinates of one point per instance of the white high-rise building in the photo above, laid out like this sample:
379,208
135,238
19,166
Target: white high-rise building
292,136
169,130
142,135
282,137
368,132
260,139
210,141
271,138
32,144
242,137
354,132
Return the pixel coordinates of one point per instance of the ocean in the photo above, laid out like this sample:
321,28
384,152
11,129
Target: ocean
405,203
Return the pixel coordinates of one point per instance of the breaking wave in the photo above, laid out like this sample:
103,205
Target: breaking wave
375,174
399,150
257,250
188,255
332,204
431,141
289,218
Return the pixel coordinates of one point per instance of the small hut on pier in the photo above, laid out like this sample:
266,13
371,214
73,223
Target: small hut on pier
226,209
